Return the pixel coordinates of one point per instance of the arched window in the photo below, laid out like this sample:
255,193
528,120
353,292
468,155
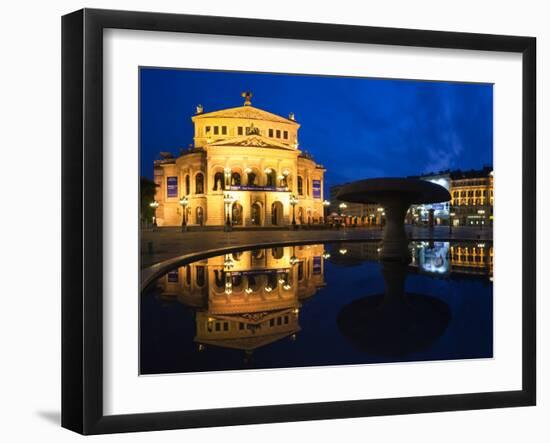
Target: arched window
251,180
270,176
219,278
300,186
199,214
235,179
199,183
201,279
188,275
277,253
219,182
187,185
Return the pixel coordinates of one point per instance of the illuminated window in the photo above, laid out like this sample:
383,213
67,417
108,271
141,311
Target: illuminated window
199,183
187,185
300,185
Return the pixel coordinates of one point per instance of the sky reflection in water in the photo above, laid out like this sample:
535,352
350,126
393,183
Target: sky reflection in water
317,305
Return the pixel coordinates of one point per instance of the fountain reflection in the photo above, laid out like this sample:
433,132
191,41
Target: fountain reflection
249,299
398,323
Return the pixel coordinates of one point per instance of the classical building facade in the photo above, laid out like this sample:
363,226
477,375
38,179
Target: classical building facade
243,168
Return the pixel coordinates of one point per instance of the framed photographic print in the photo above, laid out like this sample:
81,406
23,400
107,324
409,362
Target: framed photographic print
269,221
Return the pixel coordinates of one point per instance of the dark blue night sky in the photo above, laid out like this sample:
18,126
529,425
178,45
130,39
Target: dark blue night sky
356,127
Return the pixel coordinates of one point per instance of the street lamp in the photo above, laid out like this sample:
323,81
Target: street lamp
184,201
342,207
451,219
293,202
154,204
326,205
228,200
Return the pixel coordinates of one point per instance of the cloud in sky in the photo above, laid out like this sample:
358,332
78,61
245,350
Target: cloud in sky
356,127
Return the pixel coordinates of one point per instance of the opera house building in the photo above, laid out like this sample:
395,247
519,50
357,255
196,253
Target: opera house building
245,168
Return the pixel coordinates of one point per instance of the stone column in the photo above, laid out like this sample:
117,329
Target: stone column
395,242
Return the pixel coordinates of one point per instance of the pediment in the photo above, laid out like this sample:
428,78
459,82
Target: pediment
246,112
253,141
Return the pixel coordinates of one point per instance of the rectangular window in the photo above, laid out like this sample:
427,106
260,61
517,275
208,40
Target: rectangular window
240,130
279,321
224,130
271,133
285,135
216,130
208,129
241,326
218,326
272,322
225,326
278,133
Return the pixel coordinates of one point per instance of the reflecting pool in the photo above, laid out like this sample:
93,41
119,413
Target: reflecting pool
322,304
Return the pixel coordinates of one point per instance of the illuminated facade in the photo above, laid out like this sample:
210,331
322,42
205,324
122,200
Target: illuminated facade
250,299
472,198
243,169
430,257
471,204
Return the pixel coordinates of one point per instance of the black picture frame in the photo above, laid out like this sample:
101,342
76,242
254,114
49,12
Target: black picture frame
82,215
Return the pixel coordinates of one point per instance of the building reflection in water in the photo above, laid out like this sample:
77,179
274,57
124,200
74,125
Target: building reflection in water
431,257
246,300
262,308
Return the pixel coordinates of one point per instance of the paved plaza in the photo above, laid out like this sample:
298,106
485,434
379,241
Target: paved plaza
166,245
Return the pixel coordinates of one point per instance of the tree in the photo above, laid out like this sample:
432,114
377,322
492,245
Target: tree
147,190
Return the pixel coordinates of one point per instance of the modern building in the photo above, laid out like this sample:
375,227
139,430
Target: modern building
250,299
471,203
245,168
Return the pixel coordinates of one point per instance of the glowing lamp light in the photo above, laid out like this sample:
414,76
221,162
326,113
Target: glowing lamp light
326,203
267,170
248,290
268,289
286,287
154,204
286,172
326,255
229,291
248,170
281,280
293,260
343,251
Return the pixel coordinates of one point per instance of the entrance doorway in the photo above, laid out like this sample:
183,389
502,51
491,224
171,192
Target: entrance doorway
277,214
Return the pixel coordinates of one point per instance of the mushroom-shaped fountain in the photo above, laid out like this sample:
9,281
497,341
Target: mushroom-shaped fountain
395,195
396,323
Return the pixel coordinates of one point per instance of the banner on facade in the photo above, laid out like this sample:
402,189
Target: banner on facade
316,188
171,187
